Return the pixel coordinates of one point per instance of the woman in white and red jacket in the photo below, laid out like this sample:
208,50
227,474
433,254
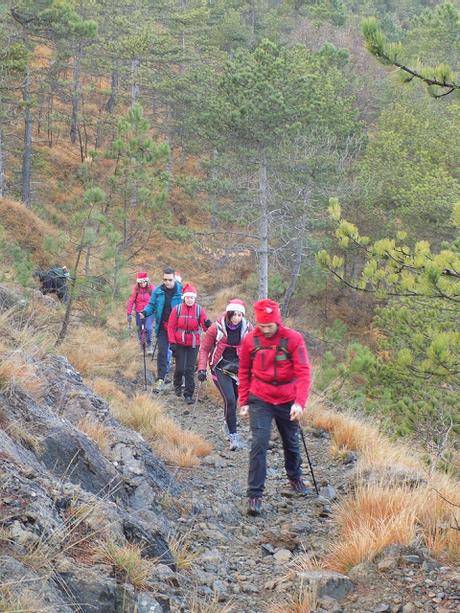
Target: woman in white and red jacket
138,300
184,325
221,349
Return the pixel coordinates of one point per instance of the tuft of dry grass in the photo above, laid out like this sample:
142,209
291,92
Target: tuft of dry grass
23,434
24,227
97,432
147,416
372,518
109,390
198,604
127,562
305,601
15,371
351,433
384,511
179,546
13,599
95,353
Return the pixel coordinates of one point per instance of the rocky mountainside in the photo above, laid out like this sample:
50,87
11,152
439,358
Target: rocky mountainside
108,527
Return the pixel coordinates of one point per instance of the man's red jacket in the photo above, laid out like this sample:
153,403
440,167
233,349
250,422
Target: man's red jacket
269,373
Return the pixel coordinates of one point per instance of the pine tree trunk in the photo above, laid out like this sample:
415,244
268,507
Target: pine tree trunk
114,86
75,94
2,166
263,228
27,151
298,257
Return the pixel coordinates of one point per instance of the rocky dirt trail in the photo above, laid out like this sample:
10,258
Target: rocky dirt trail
248,562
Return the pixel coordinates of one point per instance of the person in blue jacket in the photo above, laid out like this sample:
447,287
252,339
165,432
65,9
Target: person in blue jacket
162,301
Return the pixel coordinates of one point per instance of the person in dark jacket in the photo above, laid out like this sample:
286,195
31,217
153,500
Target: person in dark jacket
184,325
274,379
163,299
221,348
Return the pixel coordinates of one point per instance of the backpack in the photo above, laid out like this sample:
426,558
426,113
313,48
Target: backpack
281,347
198,311
57,272
285,355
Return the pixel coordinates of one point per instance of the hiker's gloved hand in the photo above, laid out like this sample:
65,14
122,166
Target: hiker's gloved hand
173,348
201,375
130,318
244,411
207,323
296,412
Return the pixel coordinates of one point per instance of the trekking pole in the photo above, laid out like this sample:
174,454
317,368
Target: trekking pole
129,328
308,458
197,395
143,352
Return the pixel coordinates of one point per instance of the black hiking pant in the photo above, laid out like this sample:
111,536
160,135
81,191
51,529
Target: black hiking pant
228,389
185,368
162,355
261,415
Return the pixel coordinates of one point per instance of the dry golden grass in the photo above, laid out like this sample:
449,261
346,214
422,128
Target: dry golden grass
198,604
95,353
25,228
15,371
211,392
127,562
29,330
351,433
305,563
14,598
147,416
97,432
179,546
109,391
383,511
305,601
25,435
91,351
366,541
372,518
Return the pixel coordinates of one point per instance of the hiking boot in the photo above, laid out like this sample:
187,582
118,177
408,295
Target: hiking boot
226,430
299,486
235,442
178,391
188,399
149,350
159,385
254,506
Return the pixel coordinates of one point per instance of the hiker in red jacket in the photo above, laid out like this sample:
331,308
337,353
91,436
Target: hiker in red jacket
138,300
274,379
221,348
184,325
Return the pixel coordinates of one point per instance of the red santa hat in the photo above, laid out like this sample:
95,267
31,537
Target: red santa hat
189,291
142,276
267,311
236,305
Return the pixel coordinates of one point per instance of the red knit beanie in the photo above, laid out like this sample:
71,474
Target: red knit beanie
142,276
189,291
267,311
235,304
